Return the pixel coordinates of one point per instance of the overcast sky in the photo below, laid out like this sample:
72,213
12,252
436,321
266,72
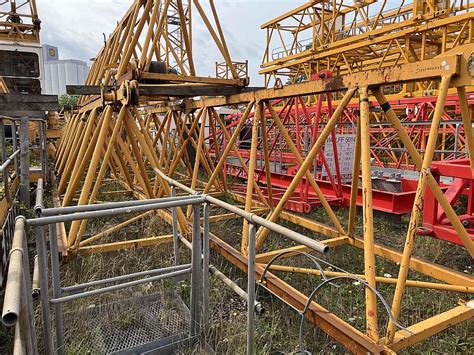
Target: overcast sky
76,27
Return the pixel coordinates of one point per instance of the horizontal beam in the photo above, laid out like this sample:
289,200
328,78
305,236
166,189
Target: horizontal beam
28,102
422,266
431,69
431,326
150,77
335,327
378,279
84,89
292,251
128,244
290,13
23,113
190,90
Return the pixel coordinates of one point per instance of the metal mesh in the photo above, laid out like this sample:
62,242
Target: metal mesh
126,325
6,236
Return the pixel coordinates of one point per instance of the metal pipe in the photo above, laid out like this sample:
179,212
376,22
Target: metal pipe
196,261
71,289
175,230
17,310
12,119
25,321
251,173
56,283
368,215
251,290
227,281
112,212
456,142
120,286
251,217
13,289
236,288
35,291
24,162
41,148
107,206
417,207
39,198
6,188
44,296
18,343
9,160
27,306
205,266
15,148
44,150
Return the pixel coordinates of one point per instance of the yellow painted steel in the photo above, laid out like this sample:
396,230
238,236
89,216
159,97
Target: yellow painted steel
368,217
134,139
384,280
251,174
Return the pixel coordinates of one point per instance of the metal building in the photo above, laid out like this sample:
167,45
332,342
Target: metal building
59,73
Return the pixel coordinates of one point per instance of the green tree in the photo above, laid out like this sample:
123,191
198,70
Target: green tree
68,102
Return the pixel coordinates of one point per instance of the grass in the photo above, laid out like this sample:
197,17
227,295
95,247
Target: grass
277,330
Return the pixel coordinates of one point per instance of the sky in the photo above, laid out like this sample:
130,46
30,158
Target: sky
77,27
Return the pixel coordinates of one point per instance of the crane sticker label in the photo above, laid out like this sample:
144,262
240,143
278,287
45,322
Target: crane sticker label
345,146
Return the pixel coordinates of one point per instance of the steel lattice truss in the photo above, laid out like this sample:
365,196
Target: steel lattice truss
19,21
138,125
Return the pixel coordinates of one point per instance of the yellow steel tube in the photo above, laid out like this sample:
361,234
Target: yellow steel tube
241,161
433,184
91,172
114,228
130,48
229,147
251,174
78,172
417,206
467,123
198,156
75,141
69,170
308,173
380,279
103,168
273,217
268,175
368,216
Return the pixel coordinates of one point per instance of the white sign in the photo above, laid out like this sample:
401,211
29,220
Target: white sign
345,145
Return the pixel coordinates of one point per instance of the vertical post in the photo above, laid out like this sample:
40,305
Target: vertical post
251,172
56,281
266,158
456,141
467,123
3,145
27,319
280,150
15,147
417,206
368,216
43,271
251,290
24,162
205,268
41,148
196,273
44,143
175,229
